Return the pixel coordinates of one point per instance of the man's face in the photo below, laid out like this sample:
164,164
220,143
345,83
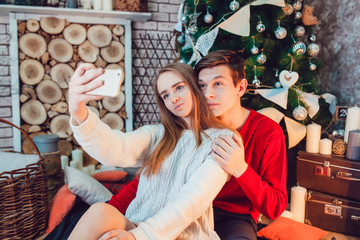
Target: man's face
218,87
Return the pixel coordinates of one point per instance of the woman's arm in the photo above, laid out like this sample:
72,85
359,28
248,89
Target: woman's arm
192,201
116,149
96,137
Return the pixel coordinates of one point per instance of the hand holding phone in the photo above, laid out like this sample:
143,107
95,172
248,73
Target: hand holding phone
113,78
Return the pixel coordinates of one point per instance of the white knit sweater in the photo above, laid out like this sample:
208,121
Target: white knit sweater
176,203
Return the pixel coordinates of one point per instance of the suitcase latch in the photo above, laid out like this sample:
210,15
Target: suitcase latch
332,210
323,170
356,218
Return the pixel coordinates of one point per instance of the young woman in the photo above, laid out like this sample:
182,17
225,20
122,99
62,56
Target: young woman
179,178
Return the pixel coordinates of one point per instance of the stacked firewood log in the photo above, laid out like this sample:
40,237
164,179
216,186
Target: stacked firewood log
49,52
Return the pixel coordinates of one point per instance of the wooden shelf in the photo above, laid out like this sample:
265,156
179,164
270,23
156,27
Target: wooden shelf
5,9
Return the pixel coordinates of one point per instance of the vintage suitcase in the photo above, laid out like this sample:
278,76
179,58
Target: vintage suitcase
332,213
329,174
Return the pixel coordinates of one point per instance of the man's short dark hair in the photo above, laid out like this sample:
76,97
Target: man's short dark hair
224,57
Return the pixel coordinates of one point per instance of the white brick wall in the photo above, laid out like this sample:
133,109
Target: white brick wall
5,83
164,17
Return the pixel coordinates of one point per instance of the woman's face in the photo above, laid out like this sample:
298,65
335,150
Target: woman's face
176,95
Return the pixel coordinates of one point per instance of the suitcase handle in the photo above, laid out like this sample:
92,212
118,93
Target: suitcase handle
347,176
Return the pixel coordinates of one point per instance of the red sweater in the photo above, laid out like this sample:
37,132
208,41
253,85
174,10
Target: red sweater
262,188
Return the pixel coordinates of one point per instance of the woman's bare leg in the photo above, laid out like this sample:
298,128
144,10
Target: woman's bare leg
99,219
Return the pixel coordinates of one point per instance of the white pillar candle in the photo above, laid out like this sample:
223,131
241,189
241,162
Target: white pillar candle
64,161
313,134
91,169
288,214
352,121
86,170
97,4
74,164
77,155
325,146
107,5
297,203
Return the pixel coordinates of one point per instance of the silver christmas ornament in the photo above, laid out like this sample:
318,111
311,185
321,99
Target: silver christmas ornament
341,132
299,31
312,38
299,48
181,38
313,49
208,18
260,27
234,5
312,67
280,33
288,9
300,113
183,19
254,50
277,85
261,58
297,5
256,82
193,28
298,15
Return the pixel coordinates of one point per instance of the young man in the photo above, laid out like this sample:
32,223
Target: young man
258,182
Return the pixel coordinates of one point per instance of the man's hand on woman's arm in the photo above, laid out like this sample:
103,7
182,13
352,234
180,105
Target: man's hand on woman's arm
229,153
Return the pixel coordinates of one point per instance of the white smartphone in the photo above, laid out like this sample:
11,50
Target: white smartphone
113,78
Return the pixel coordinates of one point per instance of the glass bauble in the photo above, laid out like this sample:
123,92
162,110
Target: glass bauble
254,50
313,49
193,28
299,48
234,5
280,33
208,18
300,113
261,58
288,9
256,82
297,5
260,27
312,67
312,38
299,31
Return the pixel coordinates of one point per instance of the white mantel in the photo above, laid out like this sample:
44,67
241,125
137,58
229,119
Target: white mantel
5,9
74,15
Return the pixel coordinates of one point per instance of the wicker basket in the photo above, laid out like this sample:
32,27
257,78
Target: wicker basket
23,199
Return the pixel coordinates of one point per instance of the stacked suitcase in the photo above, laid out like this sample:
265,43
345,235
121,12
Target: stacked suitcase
333,199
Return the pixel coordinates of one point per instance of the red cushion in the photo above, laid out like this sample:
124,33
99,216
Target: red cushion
110,176
287,229
60,206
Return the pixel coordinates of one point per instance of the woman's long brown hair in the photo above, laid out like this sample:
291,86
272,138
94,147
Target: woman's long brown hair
201,118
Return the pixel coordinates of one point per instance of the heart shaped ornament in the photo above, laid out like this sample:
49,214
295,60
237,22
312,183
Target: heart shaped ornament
287,79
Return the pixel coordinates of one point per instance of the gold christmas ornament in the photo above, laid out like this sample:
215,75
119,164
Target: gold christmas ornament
339,147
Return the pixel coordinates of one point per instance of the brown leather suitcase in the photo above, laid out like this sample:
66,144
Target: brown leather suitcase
332,213
329,174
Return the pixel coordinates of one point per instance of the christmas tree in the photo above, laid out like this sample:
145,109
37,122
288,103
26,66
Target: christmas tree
277,40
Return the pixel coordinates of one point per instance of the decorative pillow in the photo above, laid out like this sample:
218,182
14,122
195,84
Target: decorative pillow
86,187
61,204
110,176
287,229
